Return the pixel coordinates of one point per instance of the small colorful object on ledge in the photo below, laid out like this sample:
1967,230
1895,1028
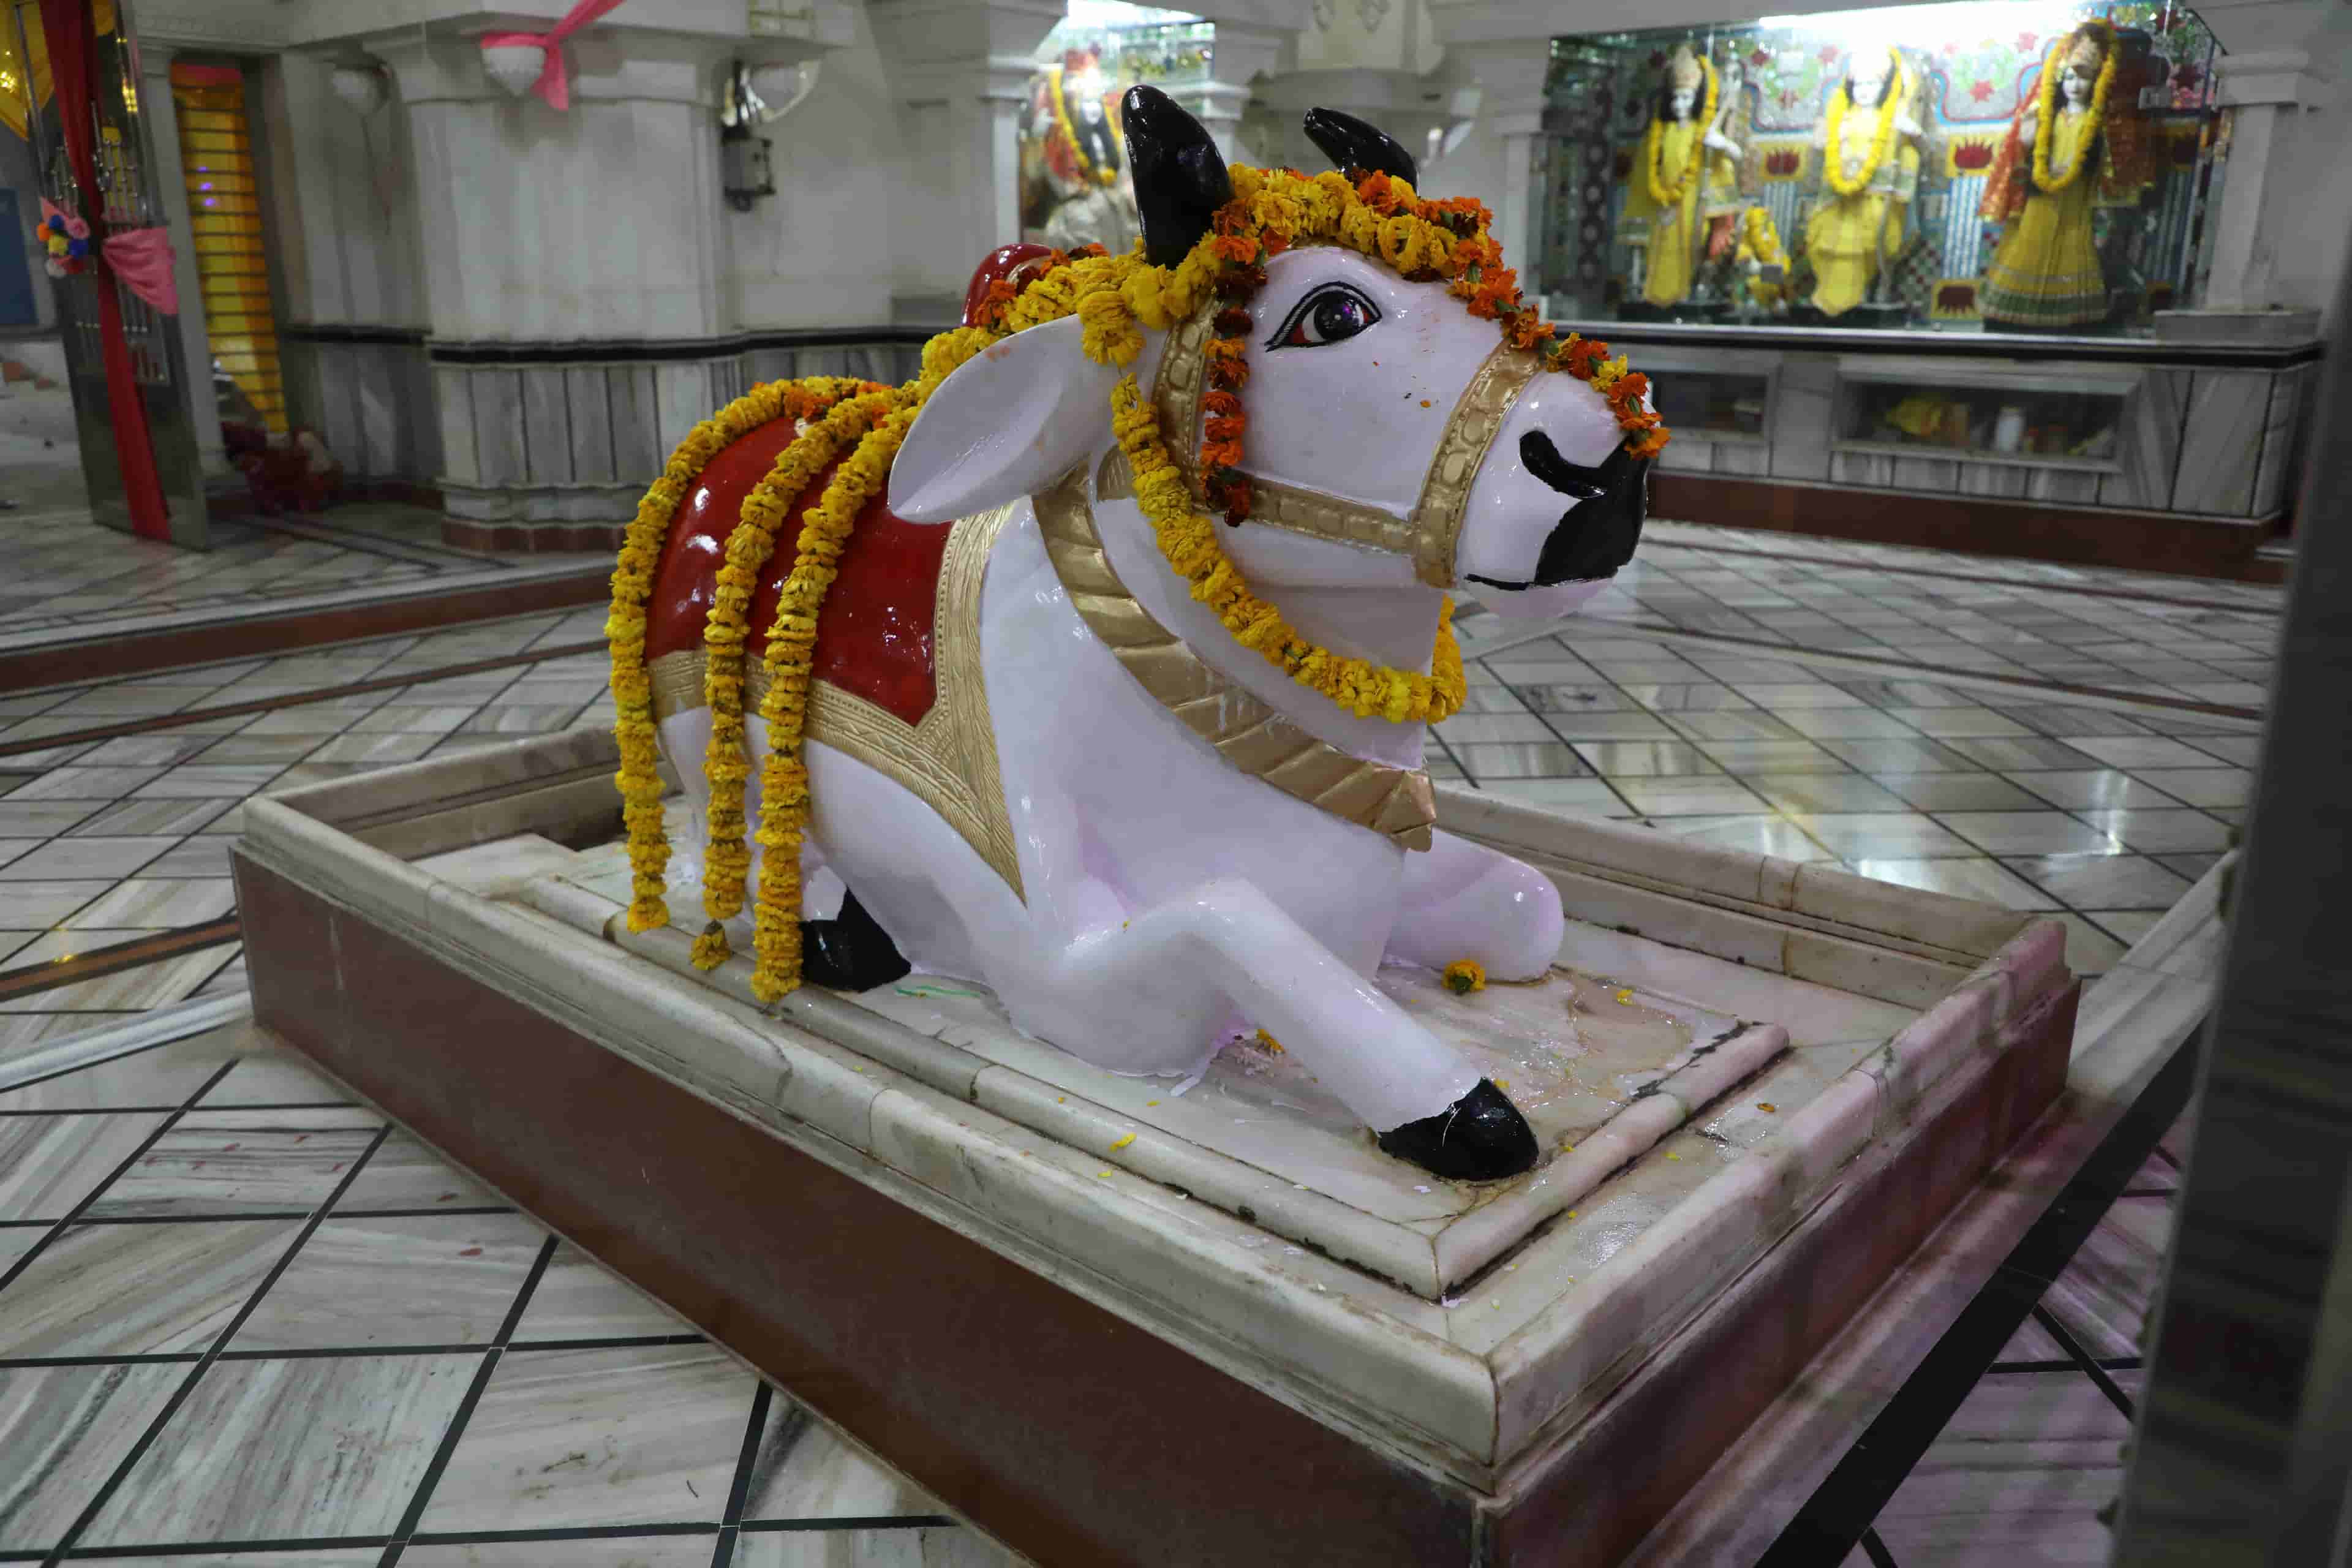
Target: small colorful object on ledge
1466,976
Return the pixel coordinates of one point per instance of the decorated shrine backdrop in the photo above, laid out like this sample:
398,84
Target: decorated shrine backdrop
1978,63
1097,51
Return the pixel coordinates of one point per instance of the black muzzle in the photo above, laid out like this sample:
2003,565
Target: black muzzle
1597,535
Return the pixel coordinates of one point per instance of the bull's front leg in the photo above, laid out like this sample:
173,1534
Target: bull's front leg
1425,1102
1461,900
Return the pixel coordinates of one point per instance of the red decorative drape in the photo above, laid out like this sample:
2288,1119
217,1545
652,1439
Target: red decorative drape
73,64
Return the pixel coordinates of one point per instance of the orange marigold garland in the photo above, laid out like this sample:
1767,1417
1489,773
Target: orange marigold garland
839,418
1422,239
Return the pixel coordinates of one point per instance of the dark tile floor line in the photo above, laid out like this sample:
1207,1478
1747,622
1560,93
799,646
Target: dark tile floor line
31,979
1797,650
2090,589
155,722
162,1418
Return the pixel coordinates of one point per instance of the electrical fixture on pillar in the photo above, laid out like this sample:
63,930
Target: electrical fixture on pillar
756,96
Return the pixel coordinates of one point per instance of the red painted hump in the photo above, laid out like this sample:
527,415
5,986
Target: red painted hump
874,637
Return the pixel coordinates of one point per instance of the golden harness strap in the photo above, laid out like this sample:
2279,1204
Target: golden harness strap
1430,536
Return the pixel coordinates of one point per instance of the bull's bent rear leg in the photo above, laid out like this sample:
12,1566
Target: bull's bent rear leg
1461,900
1427,1103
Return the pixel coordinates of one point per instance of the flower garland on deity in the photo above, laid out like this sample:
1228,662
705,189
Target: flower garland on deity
1654,143
1073,142
1115,299
1882,137
2046,107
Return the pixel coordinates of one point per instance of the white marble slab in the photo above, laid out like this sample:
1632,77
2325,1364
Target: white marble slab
1200,1230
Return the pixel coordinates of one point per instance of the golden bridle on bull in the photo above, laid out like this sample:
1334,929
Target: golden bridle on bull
1199,302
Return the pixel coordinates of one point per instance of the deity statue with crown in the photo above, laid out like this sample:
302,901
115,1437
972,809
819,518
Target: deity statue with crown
1686,186
1074,189
1869,144
2076,143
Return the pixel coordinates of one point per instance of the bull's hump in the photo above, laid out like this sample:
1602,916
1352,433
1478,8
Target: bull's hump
875,637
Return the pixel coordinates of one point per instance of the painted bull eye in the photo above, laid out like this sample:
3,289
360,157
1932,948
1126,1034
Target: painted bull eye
1331,314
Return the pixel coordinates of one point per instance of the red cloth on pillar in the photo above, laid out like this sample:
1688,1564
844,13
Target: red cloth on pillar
73,70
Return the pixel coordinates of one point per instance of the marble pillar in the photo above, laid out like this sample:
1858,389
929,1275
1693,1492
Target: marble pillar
959,70
2266,96
1255,40
1495,162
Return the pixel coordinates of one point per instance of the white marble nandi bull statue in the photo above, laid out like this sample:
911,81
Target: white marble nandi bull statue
1036,760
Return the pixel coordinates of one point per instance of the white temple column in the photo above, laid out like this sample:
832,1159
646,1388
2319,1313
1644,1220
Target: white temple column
2263,202
1376,59
1255,40
960,69
1495,162
600,221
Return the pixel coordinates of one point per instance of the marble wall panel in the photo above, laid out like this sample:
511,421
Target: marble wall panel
2004,481
590,410
335,413
2064,487
637,440
547,425
2221,444
2282,443
375,398
500,435
681,401
1874,469
453,397
1804,400
2147,442
1688,457
1938,475
1752,458
771,364
420,452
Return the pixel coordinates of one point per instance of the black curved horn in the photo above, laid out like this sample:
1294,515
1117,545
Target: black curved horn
1179,179
1351,143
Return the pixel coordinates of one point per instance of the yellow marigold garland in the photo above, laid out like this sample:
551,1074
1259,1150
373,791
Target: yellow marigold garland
1115,298
1654,146
727,859
1881,139
625,634
2046,109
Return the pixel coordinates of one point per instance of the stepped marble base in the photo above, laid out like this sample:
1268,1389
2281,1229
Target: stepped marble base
1238,1335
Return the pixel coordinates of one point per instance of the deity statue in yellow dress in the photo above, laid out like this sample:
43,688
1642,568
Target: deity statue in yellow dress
1687,177
1869,144
2075,144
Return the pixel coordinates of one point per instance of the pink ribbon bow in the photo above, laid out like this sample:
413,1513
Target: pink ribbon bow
141,257
555,84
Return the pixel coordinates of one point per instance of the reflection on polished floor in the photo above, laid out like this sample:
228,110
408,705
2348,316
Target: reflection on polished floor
242,1322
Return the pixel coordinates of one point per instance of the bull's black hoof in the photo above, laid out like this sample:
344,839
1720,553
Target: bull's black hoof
1480,1137
849,953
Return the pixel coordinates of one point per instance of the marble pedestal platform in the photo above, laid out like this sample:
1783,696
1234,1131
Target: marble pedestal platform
1108,1323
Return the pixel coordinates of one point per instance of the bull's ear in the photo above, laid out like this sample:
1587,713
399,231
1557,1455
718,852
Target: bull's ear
1010,420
